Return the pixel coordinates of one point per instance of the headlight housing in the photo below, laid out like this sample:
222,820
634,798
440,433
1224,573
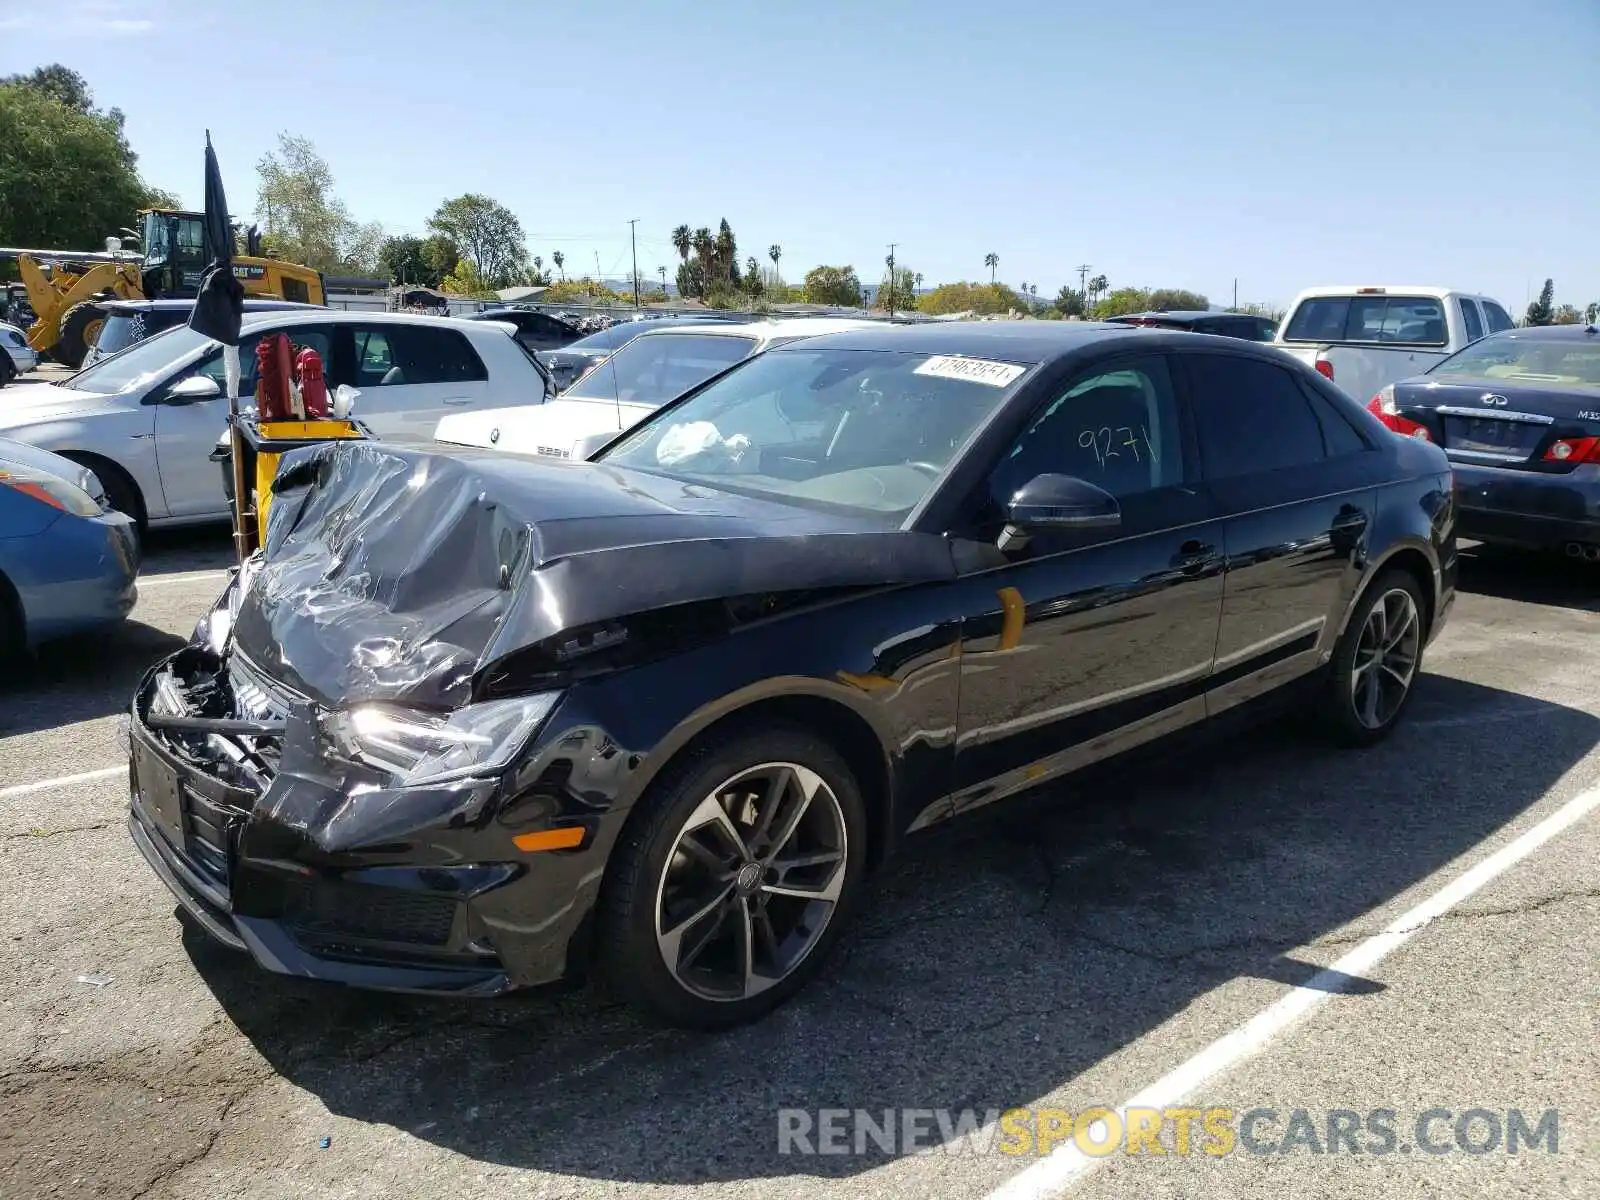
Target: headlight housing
75,498
423,748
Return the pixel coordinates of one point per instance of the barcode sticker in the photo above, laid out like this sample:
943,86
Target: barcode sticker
974,370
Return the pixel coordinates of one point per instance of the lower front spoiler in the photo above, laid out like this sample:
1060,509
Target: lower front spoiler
272,947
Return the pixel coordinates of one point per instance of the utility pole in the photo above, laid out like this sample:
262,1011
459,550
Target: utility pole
1236,295
593,295
892,245
633,238
1083,283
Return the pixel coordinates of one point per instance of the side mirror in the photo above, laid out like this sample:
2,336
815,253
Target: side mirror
1062,502
192,390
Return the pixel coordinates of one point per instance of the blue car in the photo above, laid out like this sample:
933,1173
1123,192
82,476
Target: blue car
67,562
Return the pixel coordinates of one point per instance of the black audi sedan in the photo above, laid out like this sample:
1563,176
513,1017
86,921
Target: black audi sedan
1518,415
472,722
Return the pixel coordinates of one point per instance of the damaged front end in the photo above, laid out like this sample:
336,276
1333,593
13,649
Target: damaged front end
371,764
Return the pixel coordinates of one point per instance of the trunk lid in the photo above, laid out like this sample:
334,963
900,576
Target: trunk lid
1500,422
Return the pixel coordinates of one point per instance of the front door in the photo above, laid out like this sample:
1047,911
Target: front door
187,433
1079,644
1296,483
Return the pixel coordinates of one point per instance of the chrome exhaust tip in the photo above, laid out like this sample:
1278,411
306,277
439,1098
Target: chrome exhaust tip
1575,550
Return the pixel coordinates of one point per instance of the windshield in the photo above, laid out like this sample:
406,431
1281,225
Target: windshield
863,430
653,370
123,329
1531,360
140,363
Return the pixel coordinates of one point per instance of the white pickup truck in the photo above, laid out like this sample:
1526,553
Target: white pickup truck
1364,338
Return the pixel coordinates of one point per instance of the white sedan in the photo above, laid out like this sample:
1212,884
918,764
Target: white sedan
146,420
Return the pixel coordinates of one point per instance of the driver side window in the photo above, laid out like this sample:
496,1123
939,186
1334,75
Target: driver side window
316,339
1117,429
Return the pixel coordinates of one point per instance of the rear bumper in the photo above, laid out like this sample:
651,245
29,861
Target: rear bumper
78,574
1527,508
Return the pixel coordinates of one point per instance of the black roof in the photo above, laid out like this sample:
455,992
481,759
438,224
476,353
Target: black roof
1008,341
1183,316
1551,333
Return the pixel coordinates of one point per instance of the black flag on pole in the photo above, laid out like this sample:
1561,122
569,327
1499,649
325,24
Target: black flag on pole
219,307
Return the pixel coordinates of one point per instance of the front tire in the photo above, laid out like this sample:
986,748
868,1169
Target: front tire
1376,664
728,891
80,328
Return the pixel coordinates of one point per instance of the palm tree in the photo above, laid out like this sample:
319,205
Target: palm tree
918,278
663,273
992,261
681,241
1098,286
775,252
559,259
538,269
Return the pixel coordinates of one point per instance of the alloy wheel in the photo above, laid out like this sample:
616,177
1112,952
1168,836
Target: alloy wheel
751,882
1386,658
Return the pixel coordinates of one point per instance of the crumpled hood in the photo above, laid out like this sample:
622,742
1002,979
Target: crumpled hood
400,574
44,402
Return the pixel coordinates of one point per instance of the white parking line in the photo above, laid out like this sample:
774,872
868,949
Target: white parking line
184,577
44,785
1053,1175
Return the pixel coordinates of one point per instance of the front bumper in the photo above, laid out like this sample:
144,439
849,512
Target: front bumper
1527,508
318,876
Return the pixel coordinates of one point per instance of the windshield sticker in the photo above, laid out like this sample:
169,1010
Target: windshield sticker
974,370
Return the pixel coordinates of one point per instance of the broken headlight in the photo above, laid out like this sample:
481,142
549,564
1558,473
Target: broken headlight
422,747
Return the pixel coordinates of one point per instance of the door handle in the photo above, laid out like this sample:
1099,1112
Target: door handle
1194,556
458,401
1348,520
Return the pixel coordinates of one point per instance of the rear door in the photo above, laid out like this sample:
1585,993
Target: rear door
1079,644
410,376
1295,482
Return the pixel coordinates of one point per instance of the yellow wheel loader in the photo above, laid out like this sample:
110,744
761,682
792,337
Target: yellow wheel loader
64,287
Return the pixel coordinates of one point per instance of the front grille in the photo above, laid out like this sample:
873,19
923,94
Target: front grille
370,913
211,829
256,696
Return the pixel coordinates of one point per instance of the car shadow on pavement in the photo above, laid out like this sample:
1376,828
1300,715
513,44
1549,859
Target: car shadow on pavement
79,678
188,548
1530,577
994,961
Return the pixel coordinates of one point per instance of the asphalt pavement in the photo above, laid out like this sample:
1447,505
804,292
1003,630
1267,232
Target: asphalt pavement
1427,909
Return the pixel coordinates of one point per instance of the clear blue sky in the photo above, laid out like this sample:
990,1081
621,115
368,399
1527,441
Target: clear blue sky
1165,142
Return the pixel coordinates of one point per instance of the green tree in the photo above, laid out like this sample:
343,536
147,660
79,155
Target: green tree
1098,286
1070,302
1567,314
1593,311
68,178
487,232
833,285
405,260
992,261
560,261
752,276
467,281
775,252
1176,300
301,218
901,288
682,241
983,299
569,291
1121,302
1543,310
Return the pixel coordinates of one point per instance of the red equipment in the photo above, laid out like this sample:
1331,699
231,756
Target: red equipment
313,388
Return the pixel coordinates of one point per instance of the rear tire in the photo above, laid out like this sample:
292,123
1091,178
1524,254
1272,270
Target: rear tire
733,882
1376,663
8,369
79,328
13,628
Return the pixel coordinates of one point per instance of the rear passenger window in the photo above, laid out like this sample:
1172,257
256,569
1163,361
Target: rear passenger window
1339,435
1252,417
395,355
1497,317
1471,319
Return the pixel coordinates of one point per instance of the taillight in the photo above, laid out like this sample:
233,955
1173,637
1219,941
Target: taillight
1383,407
1574,450
1325,369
